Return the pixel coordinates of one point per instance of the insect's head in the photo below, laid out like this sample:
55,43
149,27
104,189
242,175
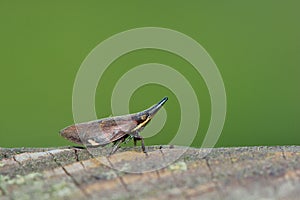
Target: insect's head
144,117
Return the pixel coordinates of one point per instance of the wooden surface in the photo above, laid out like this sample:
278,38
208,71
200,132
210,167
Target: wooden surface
224,173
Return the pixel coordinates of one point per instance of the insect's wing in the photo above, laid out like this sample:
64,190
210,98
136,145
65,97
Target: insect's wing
99,133
110,130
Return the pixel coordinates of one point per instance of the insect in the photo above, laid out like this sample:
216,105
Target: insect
112,130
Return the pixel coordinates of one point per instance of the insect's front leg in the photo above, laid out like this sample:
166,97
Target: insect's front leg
135,136
138,137
134,141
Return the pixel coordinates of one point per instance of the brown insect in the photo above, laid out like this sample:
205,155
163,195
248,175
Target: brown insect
112,130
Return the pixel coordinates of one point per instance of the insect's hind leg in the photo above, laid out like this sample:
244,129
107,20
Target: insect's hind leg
117,145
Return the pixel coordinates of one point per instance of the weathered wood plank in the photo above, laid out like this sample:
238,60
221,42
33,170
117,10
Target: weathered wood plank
224,173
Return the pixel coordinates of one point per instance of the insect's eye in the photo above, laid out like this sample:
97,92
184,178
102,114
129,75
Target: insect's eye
144,117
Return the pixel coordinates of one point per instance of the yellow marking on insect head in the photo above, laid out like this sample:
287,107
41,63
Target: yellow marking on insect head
141,124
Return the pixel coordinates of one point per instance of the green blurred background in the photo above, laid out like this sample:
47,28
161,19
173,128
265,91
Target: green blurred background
255,44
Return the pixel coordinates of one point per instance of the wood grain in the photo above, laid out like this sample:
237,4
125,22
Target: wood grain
223,173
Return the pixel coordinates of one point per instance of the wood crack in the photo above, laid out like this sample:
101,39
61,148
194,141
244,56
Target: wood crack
76,155
209,168
283,153
14,158
157,174
76,183
230,157
2,191
212,176
118,176
183,194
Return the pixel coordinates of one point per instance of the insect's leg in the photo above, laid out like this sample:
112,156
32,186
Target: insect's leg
117,144
138,137
115,147
143,145
134,141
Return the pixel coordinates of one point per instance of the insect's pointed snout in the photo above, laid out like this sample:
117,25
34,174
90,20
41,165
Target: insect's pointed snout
154,109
